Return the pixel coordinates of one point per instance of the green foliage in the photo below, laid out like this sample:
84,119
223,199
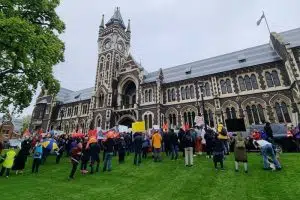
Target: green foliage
29,48
168,180
25,123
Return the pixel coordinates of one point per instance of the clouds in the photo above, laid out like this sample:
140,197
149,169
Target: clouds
168,32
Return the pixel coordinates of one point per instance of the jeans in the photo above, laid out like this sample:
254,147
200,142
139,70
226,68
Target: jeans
268,150
157,154
226,147
107,161
35,165
137,158
189,160
74,168
174,149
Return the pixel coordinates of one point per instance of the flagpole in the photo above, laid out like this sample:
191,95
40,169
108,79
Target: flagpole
266,22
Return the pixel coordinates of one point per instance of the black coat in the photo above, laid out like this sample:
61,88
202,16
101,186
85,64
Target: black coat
138,142
268,130
109,145
188,140
173,138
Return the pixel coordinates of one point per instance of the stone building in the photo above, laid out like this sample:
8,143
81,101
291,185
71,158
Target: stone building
258,84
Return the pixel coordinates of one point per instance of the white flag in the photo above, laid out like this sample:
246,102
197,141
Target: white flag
258,21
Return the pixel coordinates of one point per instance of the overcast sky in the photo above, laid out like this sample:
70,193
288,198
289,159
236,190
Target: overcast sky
166,33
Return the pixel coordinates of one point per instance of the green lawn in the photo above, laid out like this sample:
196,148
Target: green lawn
161,181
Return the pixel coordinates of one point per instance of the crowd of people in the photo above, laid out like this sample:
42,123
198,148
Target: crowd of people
84,151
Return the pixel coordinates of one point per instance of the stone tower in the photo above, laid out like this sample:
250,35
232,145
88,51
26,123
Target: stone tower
113,49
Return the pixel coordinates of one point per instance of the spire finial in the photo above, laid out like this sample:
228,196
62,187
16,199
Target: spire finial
128,27
102,22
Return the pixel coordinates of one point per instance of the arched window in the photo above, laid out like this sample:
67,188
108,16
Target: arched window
228,85
169,95
228,114
189,117
282,112
146,96
209,117
101,100
185,119
207,90
261,113
233,113
150,121
146,121
254,81
223,87
192,91
150,95
188,92
249,115
269,79
255,114
174,120
248,82
242,84
275,77
182,93
99,121
173,95
107,63
101,64
170,119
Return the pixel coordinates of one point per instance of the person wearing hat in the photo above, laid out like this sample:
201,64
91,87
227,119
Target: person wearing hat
240,153
156,143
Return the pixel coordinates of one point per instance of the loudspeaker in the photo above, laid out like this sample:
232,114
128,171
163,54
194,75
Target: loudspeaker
235,125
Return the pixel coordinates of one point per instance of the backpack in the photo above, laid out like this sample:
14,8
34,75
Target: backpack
240,144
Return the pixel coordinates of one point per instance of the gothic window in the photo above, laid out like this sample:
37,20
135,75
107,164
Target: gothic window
233,113
146,96
249,115
228,114
133,99
150,121
101,64
248,82
207,90
223,87
188,92
174,120
169,95
282,112
269,79
275,77
189,118
228,86
146,121
170,119
173,95
101,100
254,81
255,114
242,84
182,93
150,95
107,63
84,109
192,91
209,117
75,111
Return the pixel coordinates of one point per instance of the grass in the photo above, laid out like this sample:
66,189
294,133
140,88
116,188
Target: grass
161,181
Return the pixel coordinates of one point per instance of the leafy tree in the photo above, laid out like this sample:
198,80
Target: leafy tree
25,123
29,48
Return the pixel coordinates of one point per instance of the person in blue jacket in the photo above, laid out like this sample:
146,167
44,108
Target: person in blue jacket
37,157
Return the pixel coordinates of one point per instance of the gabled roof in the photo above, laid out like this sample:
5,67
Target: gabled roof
235,60
116,19
68,96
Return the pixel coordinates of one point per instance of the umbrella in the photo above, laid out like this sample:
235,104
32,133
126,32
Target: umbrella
110,134
77,135
50,144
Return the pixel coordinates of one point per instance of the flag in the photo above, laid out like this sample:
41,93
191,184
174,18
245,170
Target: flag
259,21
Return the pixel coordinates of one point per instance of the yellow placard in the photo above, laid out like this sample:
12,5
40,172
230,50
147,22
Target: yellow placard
138,127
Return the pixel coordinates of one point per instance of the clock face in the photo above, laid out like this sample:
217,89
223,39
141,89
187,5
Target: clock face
120,46
107,44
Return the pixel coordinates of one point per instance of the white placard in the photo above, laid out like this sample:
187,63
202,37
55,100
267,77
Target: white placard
199,121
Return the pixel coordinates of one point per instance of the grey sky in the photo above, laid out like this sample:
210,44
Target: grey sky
167,32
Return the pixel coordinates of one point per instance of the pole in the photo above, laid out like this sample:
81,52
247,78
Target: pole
266,22
202,101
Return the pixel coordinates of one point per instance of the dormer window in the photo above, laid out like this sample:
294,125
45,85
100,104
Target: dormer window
188,71
242,58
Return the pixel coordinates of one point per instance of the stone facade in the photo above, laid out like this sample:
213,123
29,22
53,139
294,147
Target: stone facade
124,92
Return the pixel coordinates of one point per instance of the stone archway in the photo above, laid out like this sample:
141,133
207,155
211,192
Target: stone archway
126,120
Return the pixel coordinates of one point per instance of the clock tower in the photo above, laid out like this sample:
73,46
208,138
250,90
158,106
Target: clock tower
113,49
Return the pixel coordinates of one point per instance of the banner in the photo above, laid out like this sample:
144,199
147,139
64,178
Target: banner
123,129
138,126
156,127
199,121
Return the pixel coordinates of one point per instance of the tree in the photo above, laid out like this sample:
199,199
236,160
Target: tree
25,123
29,48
